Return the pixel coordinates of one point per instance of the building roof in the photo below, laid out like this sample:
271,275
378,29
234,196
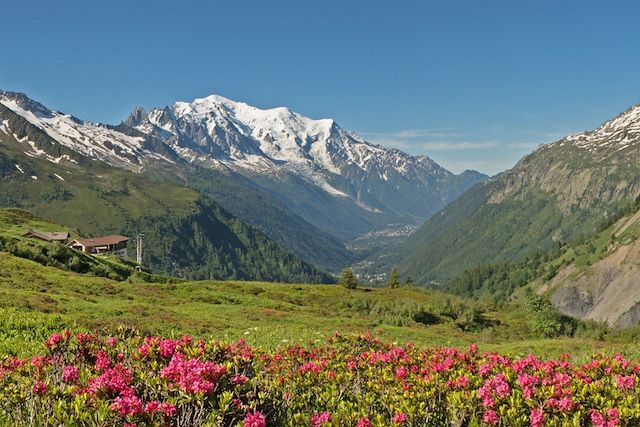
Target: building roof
48,235
101,241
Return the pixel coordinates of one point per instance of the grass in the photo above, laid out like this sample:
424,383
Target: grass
265,314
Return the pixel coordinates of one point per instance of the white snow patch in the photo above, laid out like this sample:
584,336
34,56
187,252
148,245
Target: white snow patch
34,177
84,137
19,168
59,177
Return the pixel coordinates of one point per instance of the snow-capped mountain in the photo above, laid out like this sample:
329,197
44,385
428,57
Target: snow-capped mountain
331,178
219,132
614,135
93,140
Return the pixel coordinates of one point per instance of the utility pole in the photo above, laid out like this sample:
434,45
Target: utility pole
139,248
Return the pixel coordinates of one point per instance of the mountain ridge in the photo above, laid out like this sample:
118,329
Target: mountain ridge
559,191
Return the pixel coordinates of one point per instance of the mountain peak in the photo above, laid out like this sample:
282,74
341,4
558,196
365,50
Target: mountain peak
22,101
618,133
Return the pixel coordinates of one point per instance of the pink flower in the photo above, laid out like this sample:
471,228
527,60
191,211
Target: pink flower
103,362
70,374
127,404
53,340
168,409
193,375
39,361
116,380
491,417
152,407
401,372
537,417
39,388
167,348
239,379
626,382
112,341
614,417
254,419
364,422
565,404
317,420
400,418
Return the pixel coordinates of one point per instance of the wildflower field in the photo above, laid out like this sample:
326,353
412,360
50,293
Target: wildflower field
129,380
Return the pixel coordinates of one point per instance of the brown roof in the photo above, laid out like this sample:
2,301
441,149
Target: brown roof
47,235
101,241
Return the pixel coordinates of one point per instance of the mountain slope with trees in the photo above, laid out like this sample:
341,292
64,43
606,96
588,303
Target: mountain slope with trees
560,191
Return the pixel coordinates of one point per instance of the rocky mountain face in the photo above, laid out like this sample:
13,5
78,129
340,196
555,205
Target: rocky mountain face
601,284
554,194
314,175
292,151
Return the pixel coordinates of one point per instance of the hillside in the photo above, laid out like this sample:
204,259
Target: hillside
558,192
592,277
186,234
245,200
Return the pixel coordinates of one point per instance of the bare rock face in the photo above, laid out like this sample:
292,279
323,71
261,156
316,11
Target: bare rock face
607,291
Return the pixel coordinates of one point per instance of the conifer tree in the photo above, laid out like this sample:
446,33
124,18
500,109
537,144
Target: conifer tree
348,279
394,279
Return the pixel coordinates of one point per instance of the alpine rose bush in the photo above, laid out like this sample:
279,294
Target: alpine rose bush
126,380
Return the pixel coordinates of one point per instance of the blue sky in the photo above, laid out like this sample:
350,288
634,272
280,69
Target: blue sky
473,84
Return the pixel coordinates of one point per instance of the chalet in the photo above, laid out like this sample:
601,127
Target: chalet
111,245
48,236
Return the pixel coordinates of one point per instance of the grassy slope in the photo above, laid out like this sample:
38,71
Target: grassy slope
264,313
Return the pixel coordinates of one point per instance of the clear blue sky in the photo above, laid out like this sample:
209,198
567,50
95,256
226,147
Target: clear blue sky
472,84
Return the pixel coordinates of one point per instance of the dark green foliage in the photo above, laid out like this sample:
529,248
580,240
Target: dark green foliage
547,321
394,279
468,317
348,279
58,255
402,313
498,281
210,243
471,232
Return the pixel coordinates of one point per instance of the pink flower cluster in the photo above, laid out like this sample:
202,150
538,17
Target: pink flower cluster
255,419
319,419
193,375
